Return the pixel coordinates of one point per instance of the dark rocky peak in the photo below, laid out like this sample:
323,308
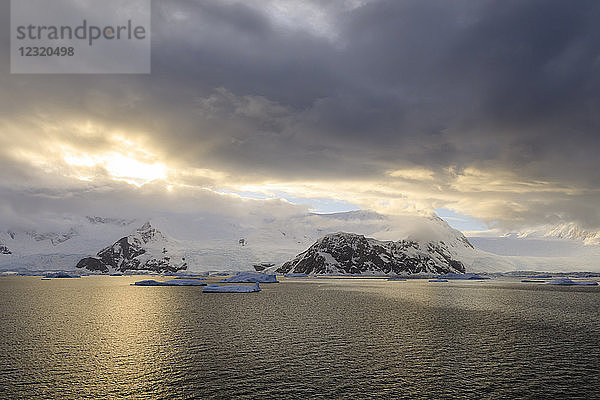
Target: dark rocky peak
148,233
4,249
355,254
122,251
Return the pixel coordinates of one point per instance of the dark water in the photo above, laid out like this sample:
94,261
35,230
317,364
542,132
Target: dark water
98,337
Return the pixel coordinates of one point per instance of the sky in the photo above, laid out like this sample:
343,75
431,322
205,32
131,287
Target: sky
486,111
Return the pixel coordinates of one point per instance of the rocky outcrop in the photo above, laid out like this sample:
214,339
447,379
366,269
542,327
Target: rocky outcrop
4,249
92,264
349,253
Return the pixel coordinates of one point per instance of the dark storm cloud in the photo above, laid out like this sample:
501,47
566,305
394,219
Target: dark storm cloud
511,86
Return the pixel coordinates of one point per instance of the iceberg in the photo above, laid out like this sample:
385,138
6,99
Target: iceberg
60,275
569,282
231,288
250,277
438,280
174,282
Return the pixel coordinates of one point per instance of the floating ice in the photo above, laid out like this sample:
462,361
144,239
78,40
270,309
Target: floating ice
569,282
250,277
231,288
174,282
60,275
438,280
532,281
296,275
396,279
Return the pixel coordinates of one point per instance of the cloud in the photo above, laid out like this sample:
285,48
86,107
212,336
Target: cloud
487,108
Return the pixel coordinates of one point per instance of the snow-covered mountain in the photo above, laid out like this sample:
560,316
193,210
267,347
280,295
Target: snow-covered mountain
569,230
146,249
348,253
210,242
58,249
205,241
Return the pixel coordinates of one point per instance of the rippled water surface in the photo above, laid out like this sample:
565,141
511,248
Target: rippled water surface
98,337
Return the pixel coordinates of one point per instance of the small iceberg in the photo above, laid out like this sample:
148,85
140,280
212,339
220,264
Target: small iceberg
295,275
174,282
231,288
569,282
61,275
438,280
250,277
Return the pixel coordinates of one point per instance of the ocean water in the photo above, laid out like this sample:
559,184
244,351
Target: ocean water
99,338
